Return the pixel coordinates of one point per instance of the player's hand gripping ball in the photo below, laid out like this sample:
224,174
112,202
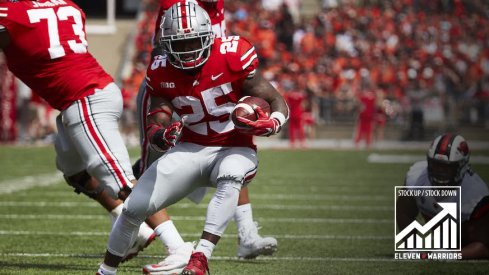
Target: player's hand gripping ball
247,109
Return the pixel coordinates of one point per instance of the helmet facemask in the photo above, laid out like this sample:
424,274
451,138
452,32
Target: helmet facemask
188,53
444,173
187,35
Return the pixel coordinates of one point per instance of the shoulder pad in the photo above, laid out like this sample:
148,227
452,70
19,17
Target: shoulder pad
240,54
415,172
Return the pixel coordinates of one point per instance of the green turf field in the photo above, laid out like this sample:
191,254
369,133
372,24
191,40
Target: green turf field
331,211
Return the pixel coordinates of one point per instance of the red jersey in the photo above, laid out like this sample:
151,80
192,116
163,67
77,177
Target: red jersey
207,97
367,110
295,100
215,11
48,50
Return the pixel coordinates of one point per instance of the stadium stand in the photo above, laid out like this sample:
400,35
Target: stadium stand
426,61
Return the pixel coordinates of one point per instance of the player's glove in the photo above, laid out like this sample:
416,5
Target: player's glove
163,139
264,125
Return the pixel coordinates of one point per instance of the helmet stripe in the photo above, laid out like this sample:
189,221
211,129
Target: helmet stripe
183,17
450,145
443,145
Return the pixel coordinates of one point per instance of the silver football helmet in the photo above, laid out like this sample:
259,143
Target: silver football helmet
448,160
186,35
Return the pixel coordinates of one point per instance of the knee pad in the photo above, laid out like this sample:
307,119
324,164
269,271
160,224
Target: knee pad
81,182
226,186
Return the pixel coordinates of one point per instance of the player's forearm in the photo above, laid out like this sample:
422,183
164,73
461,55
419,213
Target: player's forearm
278,104
4,37
475,250
157,120
260,87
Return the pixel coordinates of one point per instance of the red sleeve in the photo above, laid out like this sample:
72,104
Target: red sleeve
5,19
244,58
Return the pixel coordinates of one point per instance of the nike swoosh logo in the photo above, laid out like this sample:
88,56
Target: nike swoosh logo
214,77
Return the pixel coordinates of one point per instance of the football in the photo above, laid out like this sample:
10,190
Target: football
246,108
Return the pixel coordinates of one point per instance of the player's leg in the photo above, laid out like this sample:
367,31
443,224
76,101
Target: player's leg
292,131
156,190
251,244
178,251
86,127
91,123
232,166
75,139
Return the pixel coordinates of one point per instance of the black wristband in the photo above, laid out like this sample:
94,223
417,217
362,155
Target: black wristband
158,140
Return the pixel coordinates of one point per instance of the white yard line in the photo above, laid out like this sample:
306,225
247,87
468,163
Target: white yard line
27,182
402,158
18,184
199,218
41,204
275,196
227,258
191,235
215,258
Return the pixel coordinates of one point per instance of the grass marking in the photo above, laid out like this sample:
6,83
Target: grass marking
42,204
198,218
196,235
27,182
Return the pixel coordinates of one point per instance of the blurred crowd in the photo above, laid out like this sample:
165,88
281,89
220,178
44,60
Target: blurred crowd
409,63
422,61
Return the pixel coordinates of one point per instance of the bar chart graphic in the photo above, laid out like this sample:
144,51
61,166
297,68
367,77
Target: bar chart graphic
442,232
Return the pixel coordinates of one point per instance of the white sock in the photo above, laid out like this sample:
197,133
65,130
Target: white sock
145,231
107,270
243,215
169,235
205,247
116,212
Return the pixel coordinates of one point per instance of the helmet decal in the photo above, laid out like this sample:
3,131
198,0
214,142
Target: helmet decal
463,148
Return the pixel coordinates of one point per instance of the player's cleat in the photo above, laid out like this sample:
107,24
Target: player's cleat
145,237
197,265
174,263
252,245
102,271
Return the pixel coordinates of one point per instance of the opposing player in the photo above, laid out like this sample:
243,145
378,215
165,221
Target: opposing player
200,78
448,165
46,47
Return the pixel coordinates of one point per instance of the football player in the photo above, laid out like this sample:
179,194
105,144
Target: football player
45,46
201,78
448,165
251,244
